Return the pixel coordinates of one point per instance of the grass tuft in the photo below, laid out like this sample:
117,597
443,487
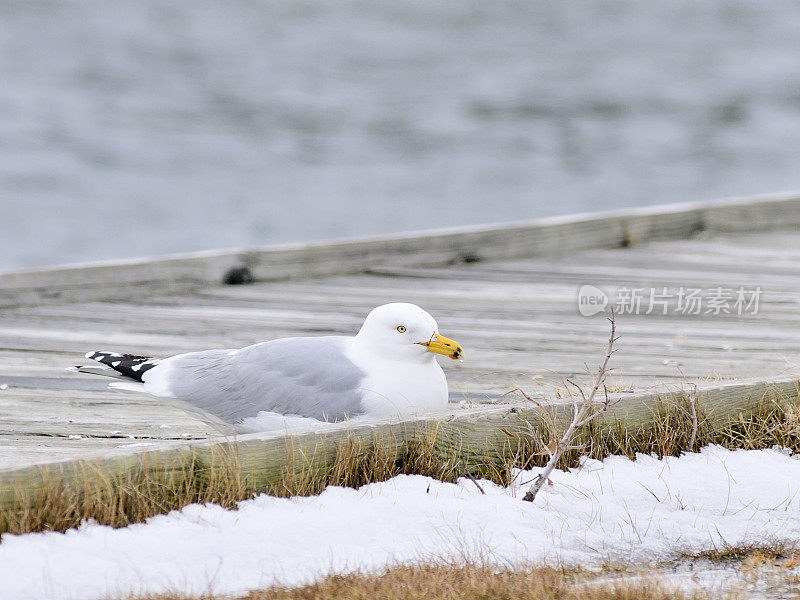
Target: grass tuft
425,582
122,498
770,423
770,551
131,496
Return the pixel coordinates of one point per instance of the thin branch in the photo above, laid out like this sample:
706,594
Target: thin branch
584,410
477,485
693,409
691,413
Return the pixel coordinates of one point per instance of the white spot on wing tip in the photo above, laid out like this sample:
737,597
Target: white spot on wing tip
89,354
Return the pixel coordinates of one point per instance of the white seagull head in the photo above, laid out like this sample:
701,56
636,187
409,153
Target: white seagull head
405,330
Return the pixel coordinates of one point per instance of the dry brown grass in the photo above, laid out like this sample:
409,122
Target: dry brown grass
785,552
119,499
131,496
669,431
451,582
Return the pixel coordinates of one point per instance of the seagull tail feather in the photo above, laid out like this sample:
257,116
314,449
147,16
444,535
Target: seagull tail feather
96,370
129,366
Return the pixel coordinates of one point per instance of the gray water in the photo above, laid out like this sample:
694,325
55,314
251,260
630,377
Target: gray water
140,127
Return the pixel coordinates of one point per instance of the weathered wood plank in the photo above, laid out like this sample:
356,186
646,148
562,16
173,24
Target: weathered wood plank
544,237
473,435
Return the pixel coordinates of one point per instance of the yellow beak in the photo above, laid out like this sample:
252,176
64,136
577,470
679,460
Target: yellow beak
442,345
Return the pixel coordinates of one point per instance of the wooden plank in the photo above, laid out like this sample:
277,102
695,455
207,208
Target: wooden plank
544,237
20,451
471,435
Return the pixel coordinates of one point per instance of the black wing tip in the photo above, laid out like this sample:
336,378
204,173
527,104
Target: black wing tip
130,365
102,354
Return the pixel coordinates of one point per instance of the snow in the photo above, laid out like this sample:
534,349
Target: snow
270,421
616,510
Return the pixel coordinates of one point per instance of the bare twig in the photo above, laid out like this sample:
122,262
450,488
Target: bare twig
469,476
693,415
477,485
508,432
584,409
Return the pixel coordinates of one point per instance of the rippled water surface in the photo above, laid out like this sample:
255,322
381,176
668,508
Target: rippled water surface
131,128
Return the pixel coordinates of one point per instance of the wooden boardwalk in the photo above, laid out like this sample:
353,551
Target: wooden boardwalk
509,295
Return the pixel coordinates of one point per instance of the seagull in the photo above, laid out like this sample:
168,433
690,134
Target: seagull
388,369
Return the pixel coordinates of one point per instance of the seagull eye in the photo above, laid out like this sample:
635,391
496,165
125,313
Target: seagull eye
401,329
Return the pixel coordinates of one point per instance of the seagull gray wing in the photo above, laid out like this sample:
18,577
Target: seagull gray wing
310,377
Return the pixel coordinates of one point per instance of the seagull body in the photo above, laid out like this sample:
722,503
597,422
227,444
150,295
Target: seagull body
387,370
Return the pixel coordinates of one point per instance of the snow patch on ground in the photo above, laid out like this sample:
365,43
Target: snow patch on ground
617,510
270,421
